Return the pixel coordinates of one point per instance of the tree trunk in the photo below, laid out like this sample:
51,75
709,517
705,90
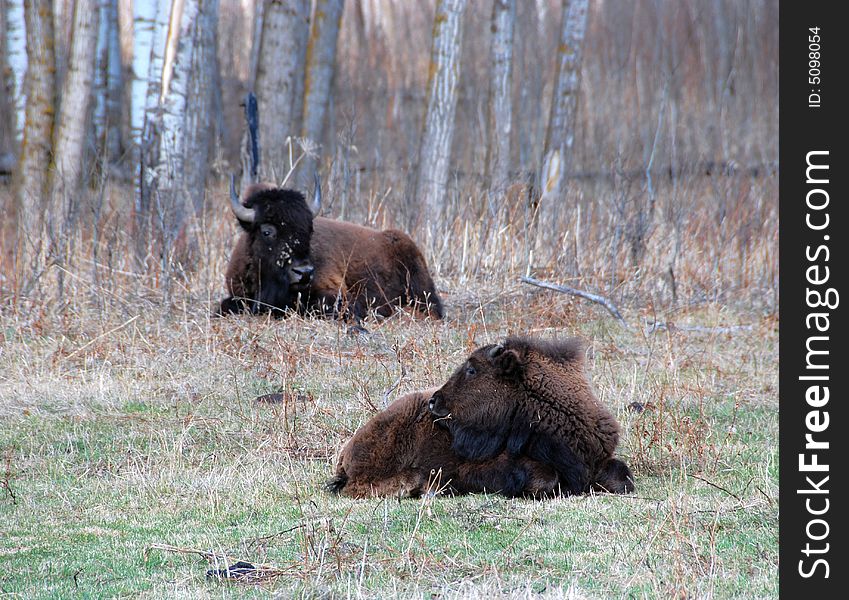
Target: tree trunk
256,35
7,99
438,131
320,69
63,13
109,85
280,81
172,195
560,136
155,29
201,119
68,176
498,156
13,68
127,49
31,175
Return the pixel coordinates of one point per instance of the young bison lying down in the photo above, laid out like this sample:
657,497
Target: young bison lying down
401,452
531,398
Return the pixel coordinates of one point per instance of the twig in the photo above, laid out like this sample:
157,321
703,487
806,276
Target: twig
6,482
719,487
659,325
565,289
102,335
252,572
179,550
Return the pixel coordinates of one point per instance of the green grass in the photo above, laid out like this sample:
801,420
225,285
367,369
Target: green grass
151,435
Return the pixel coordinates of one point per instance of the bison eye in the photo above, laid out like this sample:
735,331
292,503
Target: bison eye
268,231
470,370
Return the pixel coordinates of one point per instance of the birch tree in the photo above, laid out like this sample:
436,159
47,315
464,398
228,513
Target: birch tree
72,122
179,121
109,80
438,130
146,25
170,168
280,81
150,117
200,105
30,181
255,34
500,117
7,99
560,135
13,67
320,69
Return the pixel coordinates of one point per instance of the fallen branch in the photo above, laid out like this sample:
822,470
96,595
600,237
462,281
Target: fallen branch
565,289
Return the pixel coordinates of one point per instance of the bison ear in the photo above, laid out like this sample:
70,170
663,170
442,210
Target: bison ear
508,362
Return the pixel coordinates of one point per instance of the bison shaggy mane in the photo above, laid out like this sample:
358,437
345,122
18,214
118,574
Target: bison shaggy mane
530,397
400,452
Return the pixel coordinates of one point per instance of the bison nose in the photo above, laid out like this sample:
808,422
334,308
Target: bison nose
304,273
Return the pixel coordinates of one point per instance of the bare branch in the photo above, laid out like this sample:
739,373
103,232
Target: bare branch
565,289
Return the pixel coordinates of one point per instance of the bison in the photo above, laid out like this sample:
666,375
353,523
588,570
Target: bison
287,258
401,452
270,264
531,398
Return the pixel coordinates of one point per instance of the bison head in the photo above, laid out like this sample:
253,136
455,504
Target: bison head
479,402
279,226
524,397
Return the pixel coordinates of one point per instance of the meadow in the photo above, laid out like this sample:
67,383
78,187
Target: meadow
144,442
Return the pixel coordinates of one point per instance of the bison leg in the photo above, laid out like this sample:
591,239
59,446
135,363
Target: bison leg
511,477
404,485
231,306
574,476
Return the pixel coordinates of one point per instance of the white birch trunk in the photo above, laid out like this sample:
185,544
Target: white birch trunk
8,142
149,100
500,94
176,76
15,39
72,124
560,136
438,131
145,24
279,82
320,69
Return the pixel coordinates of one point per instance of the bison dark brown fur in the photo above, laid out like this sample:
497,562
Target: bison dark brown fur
271,260
356,268
401,452
532,398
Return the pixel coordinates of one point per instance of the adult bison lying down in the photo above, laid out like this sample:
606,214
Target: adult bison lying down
288,259
401,452
532,398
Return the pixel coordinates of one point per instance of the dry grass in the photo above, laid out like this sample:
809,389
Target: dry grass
129,417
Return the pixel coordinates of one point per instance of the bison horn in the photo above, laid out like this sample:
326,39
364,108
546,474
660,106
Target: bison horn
242,212
496,350
316,200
